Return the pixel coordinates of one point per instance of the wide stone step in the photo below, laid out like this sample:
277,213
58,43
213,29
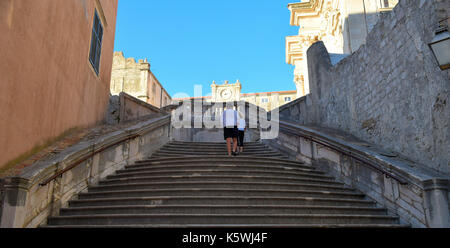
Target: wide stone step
221,181
212,144
217,184
220,200
222,159
227,158
194,155
180,153
221,192
237,172
224,148
374,226
120,219
213,149
221,209
224,177
221,153
220,166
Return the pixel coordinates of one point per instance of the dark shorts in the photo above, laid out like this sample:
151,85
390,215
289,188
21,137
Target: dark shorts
230,132
241,138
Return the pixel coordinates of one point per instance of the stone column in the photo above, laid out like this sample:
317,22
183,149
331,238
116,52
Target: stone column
144,67
13,212
437,202
213,91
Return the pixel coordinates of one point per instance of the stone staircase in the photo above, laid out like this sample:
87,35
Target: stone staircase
196,185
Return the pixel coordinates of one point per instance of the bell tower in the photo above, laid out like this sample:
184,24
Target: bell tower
226,92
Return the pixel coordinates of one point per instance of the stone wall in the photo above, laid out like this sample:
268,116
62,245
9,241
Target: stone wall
201,121
136,79
390,92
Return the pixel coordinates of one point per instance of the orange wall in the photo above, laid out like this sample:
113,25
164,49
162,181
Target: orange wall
47,85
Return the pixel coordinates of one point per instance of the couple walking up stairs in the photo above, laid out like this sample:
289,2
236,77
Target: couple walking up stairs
196,185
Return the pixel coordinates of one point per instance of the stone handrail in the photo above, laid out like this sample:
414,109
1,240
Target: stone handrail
46,186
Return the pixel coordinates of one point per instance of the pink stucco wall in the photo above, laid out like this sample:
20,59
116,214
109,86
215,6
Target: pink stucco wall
47,85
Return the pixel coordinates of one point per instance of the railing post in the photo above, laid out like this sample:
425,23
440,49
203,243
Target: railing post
13,212
436,202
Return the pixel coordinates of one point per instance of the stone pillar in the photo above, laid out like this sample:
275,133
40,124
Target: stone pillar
13,212
319,65
144,67
213,91
437,202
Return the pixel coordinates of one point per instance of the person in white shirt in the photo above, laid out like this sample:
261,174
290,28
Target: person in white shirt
241,132
230,128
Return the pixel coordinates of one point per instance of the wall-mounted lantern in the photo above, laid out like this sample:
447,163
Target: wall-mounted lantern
440,45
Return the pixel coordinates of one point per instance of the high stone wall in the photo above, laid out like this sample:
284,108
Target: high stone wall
390,91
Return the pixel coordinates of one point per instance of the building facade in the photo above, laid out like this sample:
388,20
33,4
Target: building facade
56,70
342,25
136,79
232,92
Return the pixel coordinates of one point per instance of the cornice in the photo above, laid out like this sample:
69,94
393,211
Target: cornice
301,42
298,10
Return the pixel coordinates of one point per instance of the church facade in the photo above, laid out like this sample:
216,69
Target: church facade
342,25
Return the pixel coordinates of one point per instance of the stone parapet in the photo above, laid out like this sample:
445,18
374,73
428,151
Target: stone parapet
125,108
132,108
196,120
45,187
414,192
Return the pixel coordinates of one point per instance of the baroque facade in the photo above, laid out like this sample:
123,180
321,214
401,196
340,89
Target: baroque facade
136,79
342,25
232,92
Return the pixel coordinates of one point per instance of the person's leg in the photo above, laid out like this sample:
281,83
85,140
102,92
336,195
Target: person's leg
234,144
241,141
229,146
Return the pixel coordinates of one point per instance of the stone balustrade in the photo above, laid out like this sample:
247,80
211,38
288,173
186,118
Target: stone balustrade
416,193
35,195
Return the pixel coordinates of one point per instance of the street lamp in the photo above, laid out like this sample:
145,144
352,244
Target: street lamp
440,45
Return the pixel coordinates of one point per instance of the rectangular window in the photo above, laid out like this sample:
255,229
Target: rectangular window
384,3
287,99
96,43
264,100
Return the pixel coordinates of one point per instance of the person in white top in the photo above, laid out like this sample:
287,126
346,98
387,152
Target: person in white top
241,132
230,128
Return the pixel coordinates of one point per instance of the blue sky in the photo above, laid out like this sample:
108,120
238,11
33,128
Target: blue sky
195,42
